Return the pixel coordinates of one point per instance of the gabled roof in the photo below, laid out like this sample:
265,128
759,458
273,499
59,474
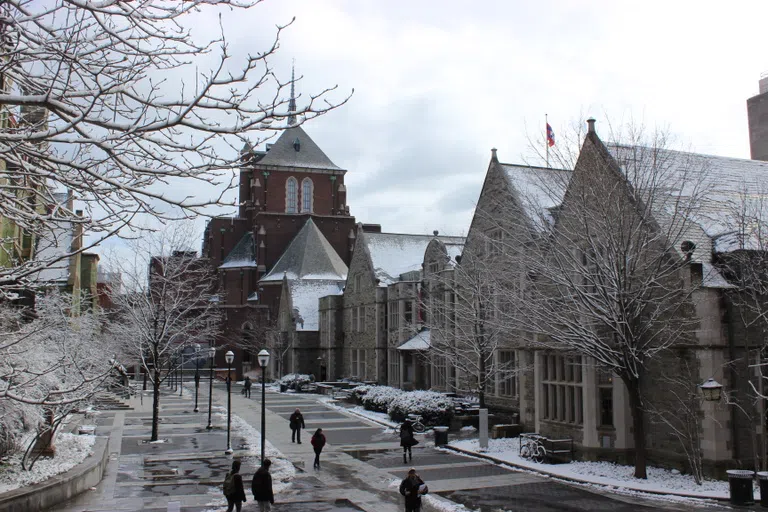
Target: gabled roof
308,256
284,153
393,254
421,341
538,189
242,255
305,295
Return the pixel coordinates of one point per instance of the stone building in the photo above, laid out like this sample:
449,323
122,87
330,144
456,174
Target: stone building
757,116
283,188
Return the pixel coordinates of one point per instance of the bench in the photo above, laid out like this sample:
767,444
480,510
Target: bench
506,430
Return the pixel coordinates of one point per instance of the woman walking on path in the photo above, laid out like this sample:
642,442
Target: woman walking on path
412,487
297,423
233,488
407,440
318,441
247,387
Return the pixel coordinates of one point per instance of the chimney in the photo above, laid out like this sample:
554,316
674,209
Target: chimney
493,155
591,125
764,84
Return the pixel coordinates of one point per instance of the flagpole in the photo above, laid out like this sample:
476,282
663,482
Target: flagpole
546,137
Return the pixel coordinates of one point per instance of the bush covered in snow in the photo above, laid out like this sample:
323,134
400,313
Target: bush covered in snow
295,380
434,408
378,398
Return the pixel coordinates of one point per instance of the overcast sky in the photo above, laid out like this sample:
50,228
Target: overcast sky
439,83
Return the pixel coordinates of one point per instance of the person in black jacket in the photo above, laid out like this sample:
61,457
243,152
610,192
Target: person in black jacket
237,497
407,440
262,487
297,423
410,488
318,442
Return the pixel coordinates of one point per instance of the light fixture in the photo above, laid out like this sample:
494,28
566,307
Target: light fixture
711,389
212,352
229,357
263,357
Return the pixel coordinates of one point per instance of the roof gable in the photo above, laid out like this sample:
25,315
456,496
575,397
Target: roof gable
242,255
308,256
294,148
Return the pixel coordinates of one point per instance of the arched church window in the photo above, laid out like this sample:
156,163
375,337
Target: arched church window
291,191
306,195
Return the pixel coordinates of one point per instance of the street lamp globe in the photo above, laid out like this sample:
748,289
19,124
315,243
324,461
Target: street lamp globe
263,357
212,352
229,357
711,389
196,347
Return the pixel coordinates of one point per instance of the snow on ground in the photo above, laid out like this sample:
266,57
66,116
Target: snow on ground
380,417
603,473
71,450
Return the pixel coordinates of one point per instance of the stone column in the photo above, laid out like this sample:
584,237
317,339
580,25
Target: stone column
524,381
538,360
589,400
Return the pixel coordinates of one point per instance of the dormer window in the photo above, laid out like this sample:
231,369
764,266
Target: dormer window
307,189
291,195
297,144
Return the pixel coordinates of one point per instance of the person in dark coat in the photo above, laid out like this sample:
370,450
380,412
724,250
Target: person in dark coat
410,488
407,440
247,387
297,423
237,498
262,487
318,442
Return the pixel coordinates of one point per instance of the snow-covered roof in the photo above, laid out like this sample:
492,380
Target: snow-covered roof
305,295
393,254
243,255
421,341
294,148
539,189
309,256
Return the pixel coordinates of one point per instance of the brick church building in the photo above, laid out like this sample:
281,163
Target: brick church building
289,192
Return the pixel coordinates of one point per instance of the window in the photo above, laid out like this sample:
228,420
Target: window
561,389
306,195
357,363
360,318
438,372
394,367
408,312
291,191
394,314
494,242
507,373
433,267
358,282
605,397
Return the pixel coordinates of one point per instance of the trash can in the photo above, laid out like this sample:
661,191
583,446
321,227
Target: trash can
441,436
762,478
740,486
283,388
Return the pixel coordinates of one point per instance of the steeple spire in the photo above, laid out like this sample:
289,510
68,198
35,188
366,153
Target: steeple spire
292,101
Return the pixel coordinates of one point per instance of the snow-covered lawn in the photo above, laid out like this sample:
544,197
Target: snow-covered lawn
380,417
71,450
601,473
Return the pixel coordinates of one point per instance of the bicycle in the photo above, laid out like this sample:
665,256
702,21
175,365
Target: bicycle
532,447
418,426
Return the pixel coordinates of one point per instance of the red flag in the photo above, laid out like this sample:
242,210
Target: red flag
550,136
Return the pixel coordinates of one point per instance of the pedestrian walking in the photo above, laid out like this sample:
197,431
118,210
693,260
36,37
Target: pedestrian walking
233,488
413,488
297,423
407,440
247,387
318,442
262,487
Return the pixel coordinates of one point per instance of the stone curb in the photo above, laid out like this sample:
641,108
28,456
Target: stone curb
61,487
581,480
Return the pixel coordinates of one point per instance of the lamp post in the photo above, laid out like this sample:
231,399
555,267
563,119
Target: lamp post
212,355
319,377
196,346
181,375
711,389
263,357
229,357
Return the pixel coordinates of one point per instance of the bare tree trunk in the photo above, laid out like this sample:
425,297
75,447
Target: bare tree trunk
638,425
155,405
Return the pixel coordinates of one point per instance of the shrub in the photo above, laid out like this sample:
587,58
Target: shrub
295,380
434,408
378,398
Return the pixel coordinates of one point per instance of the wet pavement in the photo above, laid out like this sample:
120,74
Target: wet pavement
361,465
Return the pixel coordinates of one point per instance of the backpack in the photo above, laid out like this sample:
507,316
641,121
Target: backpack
405,433
229,484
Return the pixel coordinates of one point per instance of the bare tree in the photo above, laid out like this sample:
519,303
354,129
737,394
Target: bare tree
167,305
606,259
121,103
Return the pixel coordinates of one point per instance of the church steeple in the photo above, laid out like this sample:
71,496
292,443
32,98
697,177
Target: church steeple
292,101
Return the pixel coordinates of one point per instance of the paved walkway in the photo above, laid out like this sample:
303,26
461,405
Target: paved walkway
359,465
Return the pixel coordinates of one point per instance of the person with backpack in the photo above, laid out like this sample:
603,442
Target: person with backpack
296,423
233,488
318,442
407,440
262,487
247,387
413,488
